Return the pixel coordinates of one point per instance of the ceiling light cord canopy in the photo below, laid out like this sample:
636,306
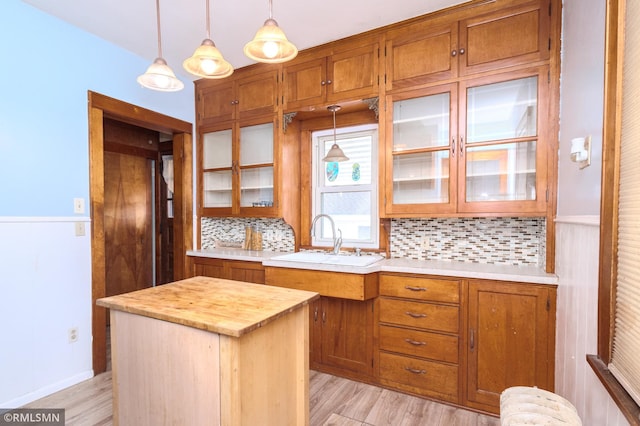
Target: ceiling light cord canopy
207,61
270,45
159,76
335,154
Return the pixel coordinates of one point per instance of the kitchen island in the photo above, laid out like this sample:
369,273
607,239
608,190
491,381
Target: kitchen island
210,351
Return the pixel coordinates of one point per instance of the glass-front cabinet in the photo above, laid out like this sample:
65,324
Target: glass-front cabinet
422,132
237,169
478,146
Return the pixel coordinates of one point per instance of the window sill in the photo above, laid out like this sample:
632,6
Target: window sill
625,403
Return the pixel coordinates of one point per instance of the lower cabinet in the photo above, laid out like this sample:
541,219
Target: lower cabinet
511,340
341,337
252,272
464,340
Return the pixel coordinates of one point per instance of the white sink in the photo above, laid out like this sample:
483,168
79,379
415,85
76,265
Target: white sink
329,259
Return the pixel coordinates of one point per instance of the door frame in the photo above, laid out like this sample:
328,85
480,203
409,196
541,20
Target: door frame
100,107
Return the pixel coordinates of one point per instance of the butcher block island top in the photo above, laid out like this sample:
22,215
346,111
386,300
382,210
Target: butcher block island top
205,351
231,308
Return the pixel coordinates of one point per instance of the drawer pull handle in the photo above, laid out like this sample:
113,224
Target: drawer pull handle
408,287
415,315
414,342
415,370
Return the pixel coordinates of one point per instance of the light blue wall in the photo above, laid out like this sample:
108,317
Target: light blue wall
46,69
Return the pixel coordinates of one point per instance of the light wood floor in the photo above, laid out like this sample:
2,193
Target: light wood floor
334,401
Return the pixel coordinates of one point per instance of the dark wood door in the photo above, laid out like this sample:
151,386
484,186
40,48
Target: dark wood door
127,222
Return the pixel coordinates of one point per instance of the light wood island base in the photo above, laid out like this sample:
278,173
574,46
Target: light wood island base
210,351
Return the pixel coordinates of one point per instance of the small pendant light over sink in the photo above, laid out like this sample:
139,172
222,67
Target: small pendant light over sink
207,61
270,45
335,153
159,76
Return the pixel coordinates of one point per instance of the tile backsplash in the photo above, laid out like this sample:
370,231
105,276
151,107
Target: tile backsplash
505,241
500,240
276,234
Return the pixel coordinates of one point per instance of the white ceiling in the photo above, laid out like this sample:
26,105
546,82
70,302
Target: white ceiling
131,24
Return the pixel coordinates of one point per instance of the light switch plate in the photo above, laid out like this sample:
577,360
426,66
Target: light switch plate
80,232
78,205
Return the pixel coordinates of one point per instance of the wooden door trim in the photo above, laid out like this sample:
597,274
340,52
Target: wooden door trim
101,107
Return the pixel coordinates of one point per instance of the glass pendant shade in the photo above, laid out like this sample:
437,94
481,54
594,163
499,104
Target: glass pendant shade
160,77
207,62
270,45
335,154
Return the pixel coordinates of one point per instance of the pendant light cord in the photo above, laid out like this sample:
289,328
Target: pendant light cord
270,9
334,127
158,24
208,22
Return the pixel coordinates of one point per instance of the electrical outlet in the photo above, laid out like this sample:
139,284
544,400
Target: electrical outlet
73,334
78,205
424,243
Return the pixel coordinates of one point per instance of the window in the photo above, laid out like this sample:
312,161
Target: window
617,363
347,191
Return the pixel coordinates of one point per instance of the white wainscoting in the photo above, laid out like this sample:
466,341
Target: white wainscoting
45,289
577,257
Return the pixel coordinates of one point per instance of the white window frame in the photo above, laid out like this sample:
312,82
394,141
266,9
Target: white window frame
318,176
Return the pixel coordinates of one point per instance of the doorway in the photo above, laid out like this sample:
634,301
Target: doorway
103,109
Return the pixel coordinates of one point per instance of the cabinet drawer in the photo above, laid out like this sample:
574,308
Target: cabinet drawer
424,377
440,347
419,314
420,288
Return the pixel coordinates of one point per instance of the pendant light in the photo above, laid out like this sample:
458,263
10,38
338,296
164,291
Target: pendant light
207,61
159,76
270,45
335,153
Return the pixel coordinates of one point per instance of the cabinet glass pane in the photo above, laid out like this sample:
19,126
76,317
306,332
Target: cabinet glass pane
421,122
256,187
216,150
421,178
503,172
503,110
256,144
217,189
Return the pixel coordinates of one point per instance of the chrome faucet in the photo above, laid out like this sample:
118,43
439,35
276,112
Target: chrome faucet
337,242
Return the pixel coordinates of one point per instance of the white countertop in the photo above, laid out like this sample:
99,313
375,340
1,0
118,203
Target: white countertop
528,274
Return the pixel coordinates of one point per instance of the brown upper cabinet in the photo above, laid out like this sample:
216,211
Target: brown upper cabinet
238,170
247,93
477,146
347,71
440,49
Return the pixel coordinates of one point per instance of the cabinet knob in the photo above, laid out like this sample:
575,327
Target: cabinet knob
322,83
329,82
462,51
454,52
